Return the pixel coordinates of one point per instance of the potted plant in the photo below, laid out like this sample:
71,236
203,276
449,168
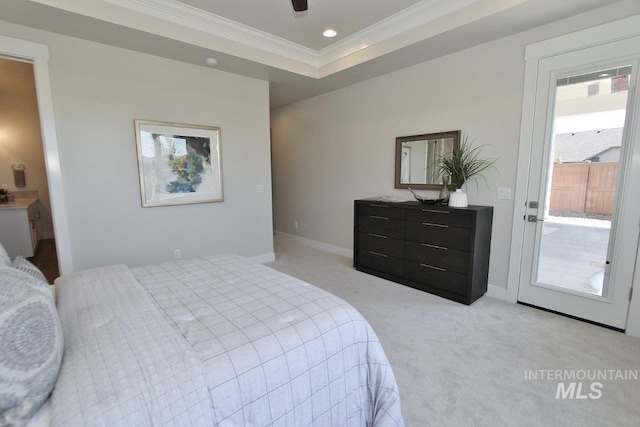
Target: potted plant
463,165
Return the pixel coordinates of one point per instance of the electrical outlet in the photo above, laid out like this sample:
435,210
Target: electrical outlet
177,254
260,188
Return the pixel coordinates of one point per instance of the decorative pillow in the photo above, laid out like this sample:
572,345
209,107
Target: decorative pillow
4,257
30,345
23,264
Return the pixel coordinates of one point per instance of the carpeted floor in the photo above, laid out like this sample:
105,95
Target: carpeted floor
460,365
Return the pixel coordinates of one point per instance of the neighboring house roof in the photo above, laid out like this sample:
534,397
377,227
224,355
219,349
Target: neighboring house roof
604,152
581,146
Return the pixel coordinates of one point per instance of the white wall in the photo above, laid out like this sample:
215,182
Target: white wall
98,91
337,147
20,136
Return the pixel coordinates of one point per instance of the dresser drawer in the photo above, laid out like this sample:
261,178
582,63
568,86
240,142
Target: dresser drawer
441,216
437,256
436,249
380,262
380,209
381,225
381,244
445,280
439,235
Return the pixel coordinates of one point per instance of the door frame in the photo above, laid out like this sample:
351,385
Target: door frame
534,53
38,55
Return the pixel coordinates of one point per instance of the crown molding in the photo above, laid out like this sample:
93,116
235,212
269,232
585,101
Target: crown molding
234,38
399,23
215,25
413,17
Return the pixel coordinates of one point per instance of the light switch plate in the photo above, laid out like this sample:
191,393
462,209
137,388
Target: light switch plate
504,193
259,188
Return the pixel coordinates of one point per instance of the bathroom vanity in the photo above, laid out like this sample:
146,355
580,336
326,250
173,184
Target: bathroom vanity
19,232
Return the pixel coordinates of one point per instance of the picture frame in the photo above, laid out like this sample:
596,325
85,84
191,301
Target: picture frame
426,150
178,163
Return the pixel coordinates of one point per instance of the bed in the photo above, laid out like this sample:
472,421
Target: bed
214,341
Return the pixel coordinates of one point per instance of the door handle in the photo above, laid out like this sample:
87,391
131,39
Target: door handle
534,218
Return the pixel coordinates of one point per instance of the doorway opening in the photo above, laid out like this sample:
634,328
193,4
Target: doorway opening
23,172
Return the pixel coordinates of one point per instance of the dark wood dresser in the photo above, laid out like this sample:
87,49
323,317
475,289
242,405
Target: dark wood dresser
437,249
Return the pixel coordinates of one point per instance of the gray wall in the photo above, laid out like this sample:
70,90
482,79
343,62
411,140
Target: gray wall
98,91
337,147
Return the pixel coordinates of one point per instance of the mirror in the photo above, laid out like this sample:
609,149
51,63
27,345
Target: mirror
416,157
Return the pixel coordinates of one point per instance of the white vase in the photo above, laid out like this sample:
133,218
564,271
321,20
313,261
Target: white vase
458,199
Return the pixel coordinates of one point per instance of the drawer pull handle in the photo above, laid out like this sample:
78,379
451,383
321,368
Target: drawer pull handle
378,217
430,224
435,211
434,246
378,235
433,267
378,206
378,253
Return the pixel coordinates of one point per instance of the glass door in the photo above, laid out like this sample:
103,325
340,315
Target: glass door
588,125
581,234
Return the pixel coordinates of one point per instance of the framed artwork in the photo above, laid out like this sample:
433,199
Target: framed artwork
178,163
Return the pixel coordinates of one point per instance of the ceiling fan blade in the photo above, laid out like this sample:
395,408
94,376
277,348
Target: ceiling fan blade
299,5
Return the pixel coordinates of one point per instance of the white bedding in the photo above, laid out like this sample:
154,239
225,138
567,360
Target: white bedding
270,349
123,364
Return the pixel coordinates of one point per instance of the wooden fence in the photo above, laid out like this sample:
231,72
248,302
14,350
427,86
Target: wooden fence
584,187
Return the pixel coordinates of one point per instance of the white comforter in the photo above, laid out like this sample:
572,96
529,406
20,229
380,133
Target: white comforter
216,341
123,364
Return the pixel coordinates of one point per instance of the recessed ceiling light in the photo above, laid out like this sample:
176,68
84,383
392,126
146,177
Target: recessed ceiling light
330,33
604,75
211,62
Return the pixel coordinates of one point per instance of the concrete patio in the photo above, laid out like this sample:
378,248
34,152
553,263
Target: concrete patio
573,253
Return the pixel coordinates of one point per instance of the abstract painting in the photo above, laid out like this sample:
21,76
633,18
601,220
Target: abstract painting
178,163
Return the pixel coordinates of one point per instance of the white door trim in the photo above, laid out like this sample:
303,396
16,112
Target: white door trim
38,54
602,34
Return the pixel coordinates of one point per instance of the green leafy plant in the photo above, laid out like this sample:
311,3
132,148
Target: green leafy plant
464,165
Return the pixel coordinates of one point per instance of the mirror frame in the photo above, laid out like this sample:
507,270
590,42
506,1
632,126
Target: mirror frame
455,134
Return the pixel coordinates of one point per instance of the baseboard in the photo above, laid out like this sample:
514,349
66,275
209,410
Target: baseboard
318,245
264,258
497,292
493,291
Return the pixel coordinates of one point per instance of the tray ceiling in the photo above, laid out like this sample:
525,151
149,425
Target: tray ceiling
265,39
